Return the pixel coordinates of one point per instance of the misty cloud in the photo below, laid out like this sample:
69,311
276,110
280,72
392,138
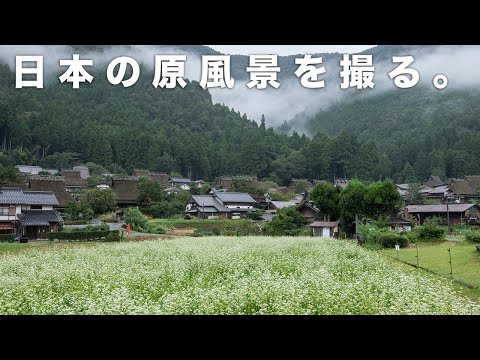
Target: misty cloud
291,100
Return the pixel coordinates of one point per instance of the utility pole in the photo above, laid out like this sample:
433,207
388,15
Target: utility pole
448,218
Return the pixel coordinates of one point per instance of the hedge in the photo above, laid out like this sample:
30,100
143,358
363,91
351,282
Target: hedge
473,236
6,237
390,240
109,235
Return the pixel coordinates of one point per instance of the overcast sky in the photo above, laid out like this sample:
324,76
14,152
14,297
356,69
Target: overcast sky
288,49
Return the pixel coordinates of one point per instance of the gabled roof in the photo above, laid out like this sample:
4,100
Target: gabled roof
39,217
305,204
126,189
233,197
473,180
207,201
16,196
283,204
55,184
464,187
453,208
180,180
434,181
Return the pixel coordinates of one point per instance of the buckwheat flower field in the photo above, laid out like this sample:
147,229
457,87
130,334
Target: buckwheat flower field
220,275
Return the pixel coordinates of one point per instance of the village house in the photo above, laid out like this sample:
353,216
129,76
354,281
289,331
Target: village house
218,204
304,207
74,183
467,189
54,184
308,211
28,213
434,181
328,229
458,213
182,183
126,190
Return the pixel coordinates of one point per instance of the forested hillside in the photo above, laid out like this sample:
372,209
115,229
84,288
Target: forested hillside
432,132
406,135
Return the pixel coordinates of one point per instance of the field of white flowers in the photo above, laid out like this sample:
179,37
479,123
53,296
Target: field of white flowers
244,275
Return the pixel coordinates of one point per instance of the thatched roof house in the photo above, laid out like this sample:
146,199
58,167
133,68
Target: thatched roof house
55,184
126,190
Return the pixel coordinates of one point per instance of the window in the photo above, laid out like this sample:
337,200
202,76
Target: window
4,210
35,207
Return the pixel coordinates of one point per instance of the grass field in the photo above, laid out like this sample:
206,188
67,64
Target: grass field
220,275
435,257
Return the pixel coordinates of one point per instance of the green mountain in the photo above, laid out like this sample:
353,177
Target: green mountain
182,130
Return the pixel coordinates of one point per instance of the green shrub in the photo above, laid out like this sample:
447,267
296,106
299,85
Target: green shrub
112,236
101,227
430,230
96,235
385,237
157,230
253,214
369,233
389,240
410,236
110,217
473,236
7,238
305,232
135,219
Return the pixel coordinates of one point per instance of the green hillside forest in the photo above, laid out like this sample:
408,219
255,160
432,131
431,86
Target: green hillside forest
403,135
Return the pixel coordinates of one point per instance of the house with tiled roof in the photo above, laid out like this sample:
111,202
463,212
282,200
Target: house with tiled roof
457,213
182,183
228,205
28,213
